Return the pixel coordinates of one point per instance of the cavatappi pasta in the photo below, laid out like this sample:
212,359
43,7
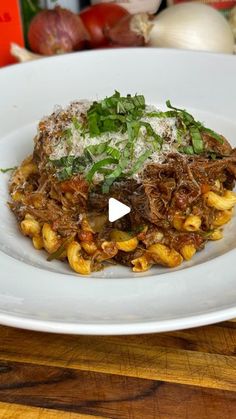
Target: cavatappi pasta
176,175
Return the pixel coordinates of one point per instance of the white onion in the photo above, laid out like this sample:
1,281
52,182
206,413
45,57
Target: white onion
192,26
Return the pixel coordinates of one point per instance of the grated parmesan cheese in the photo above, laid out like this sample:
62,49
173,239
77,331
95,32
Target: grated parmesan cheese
55,125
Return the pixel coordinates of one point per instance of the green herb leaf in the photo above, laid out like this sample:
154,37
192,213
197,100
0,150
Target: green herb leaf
76,123
93,121
140,162
197,141
65,173
186,117
70,165
196,128
63,161
58,253
114,152
186,149
110,179
8,169
213,156
111,114
97,166
97,149
152,133
214,134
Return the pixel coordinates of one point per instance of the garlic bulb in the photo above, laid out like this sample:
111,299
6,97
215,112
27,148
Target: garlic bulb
23,55
193,26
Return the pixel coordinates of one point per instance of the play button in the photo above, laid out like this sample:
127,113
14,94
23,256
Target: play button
117,210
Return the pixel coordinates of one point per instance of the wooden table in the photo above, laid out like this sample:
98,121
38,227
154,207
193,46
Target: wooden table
189,374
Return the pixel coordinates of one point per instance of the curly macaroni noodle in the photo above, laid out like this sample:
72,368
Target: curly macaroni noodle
180,191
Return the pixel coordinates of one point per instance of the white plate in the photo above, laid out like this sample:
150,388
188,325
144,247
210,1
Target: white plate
36,294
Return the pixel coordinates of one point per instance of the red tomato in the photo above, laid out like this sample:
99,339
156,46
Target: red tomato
98,19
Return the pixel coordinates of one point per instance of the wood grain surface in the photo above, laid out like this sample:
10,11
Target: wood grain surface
189,374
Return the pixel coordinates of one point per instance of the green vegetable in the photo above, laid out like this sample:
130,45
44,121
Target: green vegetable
67,133
115,114
213,156
196,128
70,165
114,152
58,253
97,149
110,179
76,123
63,161
112,113
140,162
197,141
100,164
8,169
152,133
124,115
186,149
185,116
65,173
214,134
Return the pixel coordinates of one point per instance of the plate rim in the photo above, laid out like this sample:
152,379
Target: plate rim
119,328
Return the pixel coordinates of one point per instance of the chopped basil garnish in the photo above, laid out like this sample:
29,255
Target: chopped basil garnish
76,123
214,134
116,159
97,149
140,162
188,149
100,164
197,141
70,165
111,151
8,169
196,128
112,113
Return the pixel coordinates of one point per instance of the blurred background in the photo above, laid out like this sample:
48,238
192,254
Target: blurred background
31,29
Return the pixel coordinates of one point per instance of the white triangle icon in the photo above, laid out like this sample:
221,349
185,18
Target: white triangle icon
117,210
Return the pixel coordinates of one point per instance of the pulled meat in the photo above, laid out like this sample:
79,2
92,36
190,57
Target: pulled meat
177,185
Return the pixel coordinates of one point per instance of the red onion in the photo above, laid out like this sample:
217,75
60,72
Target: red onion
57,31
129,31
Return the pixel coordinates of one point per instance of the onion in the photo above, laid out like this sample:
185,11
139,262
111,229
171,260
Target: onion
22,54
57,31
131,30
192,26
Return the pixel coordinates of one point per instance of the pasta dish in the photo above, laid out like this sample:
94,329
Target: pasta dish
175,174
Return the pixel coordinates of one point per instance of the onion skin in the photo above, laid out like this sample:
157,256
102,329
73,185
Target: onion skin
57,31
123,34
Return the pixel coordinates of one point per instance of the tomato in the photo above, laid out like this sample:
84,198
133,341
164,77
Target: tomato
98,19
205,188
